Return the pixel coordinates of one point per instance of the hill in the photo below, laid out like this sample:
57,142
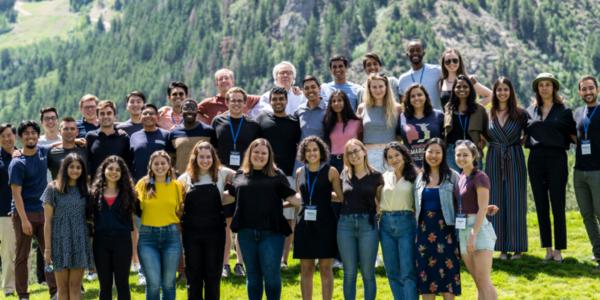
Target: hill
155,41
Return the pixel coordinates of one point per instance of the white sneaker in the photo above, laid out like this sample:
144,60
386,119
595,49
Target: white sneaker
141,279
378,261
91,276
337,264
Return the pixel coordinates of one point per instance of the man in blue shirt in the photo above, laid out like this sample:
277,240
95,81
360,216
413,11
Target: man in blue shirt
134,103
338,66
7,233
310,113
27,178
147,141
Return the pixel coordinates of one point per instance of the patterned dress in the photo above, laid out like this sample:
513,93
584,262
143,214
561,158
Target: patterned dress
71,247
505,166
437,257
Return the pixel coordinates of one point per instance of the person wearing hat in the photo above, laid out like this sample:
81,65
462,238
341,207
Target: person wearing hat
550,130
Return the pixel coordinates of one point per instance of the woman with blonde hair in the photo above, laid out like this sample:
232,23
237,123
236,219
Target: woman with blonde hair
379,113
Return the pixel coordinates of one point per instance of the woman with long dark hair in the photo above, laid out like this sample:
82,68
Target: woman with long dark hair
113,200
203,220
550,130
397,226
340,124
453,65
464,119
505,166
159,246
68,247
261,191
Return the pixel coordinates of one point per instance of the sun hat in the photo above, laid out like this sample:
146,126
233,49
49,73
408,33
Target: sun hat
545,76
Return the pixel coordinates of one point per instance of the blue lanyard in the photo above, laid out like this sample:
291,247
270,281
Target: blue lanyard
587,121
463,126
420,79
311,186
234,136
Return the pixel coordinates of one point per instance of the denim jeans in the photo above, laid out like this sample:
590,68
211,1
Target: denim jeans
397,233
262,254
159,249
357,242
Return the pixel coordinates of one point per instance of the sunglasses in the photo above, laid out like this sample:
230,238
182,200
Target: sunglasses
451,61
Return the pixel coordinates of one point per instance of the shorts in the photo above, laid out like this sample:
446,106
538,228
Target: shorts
228,210
376,161
486,238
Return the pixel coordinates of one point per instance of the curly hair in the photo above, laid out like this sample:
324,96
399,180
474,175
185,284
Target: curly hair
323,150
124,186
409,172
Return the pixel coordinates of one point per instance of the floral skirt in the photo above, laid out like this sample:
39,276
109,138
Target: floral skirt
437,257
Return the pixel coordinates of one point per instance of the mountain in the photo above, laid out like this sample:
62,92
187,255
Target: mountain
151,42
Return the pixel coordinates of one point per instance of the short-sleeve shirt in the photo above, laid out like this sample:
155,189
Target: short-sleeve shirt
183,140
143,144
341,134
161,209
29,172
100,146
311,119
129,127
359,194
5,191
168,118
349,88
293,102
249,131
57,154
84,127
416,133
466,190
396,195
283,133
428,76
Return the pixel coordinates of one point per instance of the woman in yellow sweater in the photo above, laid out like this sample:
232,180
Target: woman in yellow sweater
160,200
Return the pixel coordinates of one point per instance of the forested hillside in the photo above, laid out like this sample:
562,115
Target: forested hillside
156,41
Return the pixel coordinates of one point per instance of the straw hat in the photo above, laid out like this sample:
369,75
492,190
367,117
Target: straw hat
545,76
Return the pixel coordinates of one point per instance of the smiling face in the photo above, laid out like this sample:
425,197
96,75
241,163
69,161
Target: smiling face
415,53
503,93
160,166
176,97
337,103
30,137
284,76
8,139
134,105
312,153
545,89
278,103
451,62
74,170
462,89
372,66
356,155
224,81
463,156
106,117
395,159
112,172
378,89
68,131
259,157
189,111
204,159
149,117
417,98
312,91
236,103
338,70
434,155
49,121
588,91
88,109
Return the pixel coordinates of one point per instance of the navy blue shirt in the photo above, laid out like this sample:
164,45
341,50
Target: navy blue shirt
100,146
588,162
130,128
29,172
143,144
111,220
5,192
85,127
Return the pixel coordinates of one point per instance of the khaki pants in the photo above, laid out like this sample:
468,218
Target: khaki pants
7,254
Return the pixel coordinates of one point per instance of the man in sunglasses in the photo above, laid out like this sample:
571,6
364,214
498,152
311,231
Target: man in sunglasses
426,74
170,116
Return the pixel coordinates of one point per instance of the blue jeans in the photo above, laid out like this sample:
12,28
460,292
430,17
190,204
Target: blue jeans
397,233
357,242
159,249
262,255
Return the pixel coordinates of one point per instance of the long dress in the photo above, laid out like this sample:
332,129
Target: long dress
505,166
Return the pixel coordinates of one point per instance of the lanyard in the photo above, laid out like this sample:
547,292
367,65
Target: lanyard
587,121
460,199
234,136
463,126
175,123
311,186
420,79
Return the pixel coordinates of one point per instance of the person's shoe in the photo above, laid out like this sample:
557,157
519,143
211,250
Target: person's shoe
135,268
226,271
557,257
284,266
141,279
516,256
337,264
503,256
91,276
9,294
378,261
239,270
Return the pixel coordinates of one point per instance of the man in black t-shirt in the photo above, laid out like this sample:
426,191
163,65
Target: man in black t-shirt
134,102
283,133
586,176
68,132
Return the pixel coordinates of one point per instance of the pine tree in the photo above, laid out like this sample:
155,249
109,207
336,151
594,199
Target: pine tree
526,23
540,30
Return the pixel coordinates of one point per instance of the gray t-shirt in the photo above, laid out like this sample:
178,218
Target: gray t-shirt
429,77
375,129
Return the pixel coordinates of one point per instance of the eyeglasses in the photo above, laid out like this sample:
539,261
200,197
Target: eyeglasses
451,61
50,118
354,153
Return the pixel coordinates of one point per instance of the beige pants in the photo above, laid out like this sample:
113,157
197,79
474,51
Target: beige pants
7,254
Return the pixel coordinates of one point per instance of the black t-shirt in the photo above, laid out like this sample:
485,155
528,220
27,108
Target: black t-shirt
259,201
284,134
552,132
588,162
458,133
130,127
57,154
359,194
248,132
5,191
100,146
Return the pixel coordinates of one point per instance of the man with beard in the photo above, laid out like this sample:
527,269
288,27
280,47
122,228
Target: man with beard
106,140
27,177
170,116
7,233
68,133
586,175
184,137
283,133
338,66
89,118
134,103
425,74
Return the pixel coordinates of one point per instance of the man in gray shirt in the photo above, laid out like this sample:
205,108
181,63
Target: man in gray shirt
425,74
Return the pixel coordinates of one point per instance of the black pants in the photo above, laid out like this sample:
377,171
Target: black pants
112,256
203,263
548,174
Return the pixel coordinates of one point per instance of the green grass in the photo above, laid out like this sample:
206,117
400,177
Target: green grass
528,278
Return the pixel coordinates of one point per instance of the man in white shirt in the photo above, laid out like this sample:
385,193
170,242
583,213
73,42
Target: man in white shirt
422,73
284,76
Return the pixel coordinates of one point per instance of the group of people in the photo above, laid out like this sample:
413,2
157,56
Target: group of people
331,170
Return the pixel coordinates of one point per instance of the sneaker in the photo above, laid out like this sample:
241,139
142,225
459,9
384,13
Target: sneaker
378,261
226,271
516,256
9,294
141,279
239,270
337,264
503,256
283,266
91,276
135,268
54,297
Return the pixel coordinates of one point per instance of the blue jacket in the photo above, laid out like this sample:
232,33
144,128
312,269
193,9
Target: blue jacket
446,196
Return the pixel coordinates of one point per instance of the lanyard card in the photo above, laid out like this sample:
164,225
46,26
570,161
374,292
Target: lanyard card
310,213
461,221
234,158
586,147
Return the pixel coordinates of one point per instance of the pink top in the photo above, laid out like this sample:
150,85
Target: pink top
340,135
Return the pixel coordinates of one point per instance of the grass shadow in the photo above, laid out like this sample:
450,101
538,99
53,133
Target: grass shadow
531,266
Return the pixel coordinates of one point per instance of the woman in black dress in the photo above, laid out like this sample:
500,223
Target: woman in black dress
314,237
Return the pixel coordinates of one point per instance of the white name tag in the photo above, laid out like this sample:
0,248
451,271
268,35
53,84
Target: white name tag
586,147
310,213
461,221
234,158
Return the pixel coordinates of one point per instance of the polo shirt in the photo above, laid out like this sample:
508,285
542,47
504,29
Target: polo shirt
311,119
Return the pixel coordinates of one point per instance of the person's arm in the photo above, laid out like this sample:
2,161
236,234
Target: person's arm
483,199
483,91
48,215
334,178
20,206
360,110
227,198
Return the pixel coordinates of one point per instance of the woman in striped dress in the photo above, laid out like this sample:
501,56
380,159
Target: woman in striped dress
505,166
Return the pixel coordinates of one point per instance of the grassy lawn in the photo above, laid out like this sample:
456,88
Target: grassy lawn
528,278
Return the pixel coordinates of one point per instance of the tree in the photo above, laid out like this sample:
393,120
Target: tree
118,5
100,25
540,30
367,14
526,23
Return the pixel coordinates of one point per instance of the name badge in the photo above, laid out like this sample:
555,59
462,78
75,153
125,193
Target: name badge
461,221
586,147
310,213
234,158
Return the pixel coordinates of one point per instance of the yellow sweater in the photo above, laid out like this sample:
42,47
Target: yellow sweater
161,209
